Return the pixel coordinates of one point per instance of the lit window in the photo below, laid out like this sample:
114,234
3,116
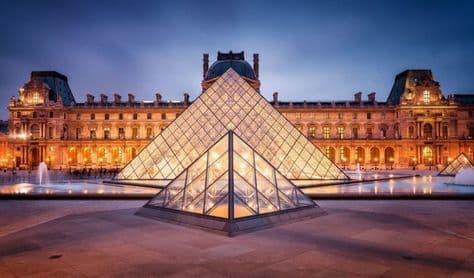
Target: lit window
340,132
426,97
326,132
36,98
312,132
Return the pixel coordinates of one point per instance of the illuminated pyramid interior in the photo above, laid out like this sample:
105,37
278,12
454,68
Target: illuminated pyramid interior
460,162
230,188
230,103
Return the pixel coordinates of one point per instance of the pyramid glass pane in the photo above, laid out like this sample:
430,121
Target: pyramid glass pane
231,103
460,162
261,193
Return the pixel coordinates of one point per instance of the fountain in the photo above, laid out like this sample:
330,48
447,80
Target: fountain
42,174
358,172
465,176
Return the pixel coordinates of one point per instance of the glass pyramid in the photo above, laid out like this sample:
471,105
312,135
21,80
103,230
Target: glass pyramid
230,181
461,161
231,104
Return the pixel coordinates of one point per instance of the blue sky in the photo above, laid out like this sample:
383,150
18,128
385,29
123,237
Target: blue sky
313,50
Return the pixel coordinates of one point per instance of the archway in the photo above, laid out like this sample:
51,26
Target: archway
374,156
331,153
101,156
360,155
389,155
86,156
72,156
428,156
35,157
344,155
117,156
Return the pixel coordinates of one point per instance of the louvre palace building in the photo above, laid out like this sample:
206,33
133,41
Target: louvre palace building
416,126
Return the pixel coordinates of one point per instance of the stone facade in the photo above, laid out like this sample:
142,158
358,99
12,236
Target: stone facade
417,125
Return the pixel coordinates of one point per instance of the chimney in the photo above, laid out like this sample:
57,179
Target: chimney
117,99
358,97
158,98
275,98
90,99
255,64
103,99
371,97
205,64
186,99
131,98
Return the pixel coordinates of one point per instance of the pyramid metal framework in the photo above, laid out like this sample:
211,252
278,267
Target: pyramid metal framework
231,104
234,188
460,162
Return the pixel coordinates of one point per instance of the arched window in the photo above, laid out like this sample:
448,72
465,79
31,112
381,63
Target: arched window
428,156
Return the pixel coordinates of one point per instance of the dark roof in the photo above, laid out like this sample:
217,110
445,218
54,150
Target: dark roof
464,98
58,85
225,61
400,82
3,126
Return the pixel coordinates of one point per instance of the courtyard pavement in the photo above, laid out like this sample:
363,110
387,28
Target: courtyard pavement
355,239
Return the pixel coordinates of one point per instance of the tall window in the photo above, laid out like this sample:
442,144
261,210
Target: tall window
148,116
340,116
354,116
340,132
163,116
312,132
411,131
121,133
107,133
134,133
107,116
149,132
78,133
135,116
369,133
326,132
426,97
50,132
355,132
120,116
78,116
92,116
92,134
369,116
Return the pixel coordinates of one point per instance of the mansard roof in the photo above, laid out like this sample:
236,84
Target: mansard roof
58,85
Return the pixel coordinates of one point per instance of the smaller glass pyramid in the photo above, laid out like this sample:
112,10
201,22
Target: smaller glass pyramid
460,162
230,181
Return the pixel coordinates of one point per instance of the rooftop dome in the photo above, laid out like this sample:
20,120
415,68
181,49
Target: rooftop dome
235,61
